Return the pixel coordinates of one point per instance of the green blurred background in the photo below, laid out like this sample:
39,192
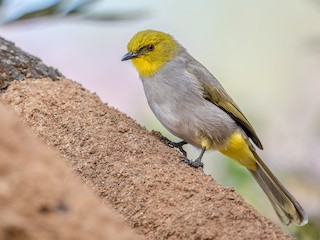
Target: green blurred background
265,53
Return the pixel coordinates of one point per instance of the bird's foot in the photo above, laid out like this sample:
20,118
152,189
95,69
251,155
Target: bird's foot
193,163
178,145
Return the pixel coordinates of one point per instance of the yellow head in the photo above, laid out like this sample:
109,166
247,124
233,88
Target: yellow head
150,50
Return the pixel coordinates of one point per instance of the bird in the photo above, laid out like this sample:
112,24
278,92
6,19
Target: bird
193,105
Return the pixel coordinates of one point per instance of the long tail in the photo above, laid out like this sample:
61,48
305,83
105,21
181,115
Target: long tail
286,206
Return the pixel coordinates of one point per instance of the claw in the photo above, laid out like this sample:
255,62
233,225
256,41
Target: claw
178,145
196,163
193,163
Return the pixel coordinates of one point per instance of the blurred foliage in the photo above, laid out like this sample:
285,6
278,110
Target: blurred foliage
15,10
239,174
311,231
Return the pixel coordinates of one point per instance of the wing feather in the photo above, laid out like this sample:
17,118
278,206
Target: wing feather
215,93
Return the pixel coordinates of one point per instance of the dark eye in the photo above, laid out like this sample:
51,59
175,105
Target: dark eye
150,47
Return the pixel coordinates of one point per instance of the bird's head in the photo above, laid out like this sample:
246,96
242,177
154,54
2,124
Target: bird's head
150,50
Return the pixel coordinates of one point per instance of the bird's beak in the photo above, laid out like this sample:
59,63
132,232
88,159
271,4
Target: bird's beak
129,56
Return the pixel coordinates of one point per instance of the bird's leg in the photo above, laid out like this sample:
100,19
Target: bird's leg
178,145
197,162
194,163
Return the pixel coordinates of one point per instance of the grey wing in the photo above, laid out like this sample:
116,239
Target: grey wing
215,93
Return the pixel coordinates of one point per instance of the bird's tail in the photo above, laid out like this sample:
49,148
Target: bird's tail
286,206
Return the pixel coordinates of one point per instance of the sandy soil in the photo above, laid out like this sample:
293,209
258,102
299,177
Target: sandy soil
130,168
39,197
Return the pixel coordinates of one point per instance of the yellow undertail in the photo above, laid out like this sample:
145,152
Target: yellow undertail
286,206
239,150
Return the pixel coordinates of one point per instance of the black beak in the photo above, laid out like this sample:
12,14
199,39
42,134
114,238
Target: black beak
129,56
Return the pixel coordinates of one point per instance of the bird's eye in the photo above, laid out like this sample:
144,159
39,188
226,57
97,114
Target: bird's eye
150,47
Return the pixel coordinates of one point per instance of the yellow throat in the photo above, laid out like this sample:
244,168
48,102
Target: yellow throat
153,49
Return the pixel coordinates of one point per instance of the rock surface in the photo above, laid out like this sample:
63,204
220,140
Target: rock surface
40,199
127,167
